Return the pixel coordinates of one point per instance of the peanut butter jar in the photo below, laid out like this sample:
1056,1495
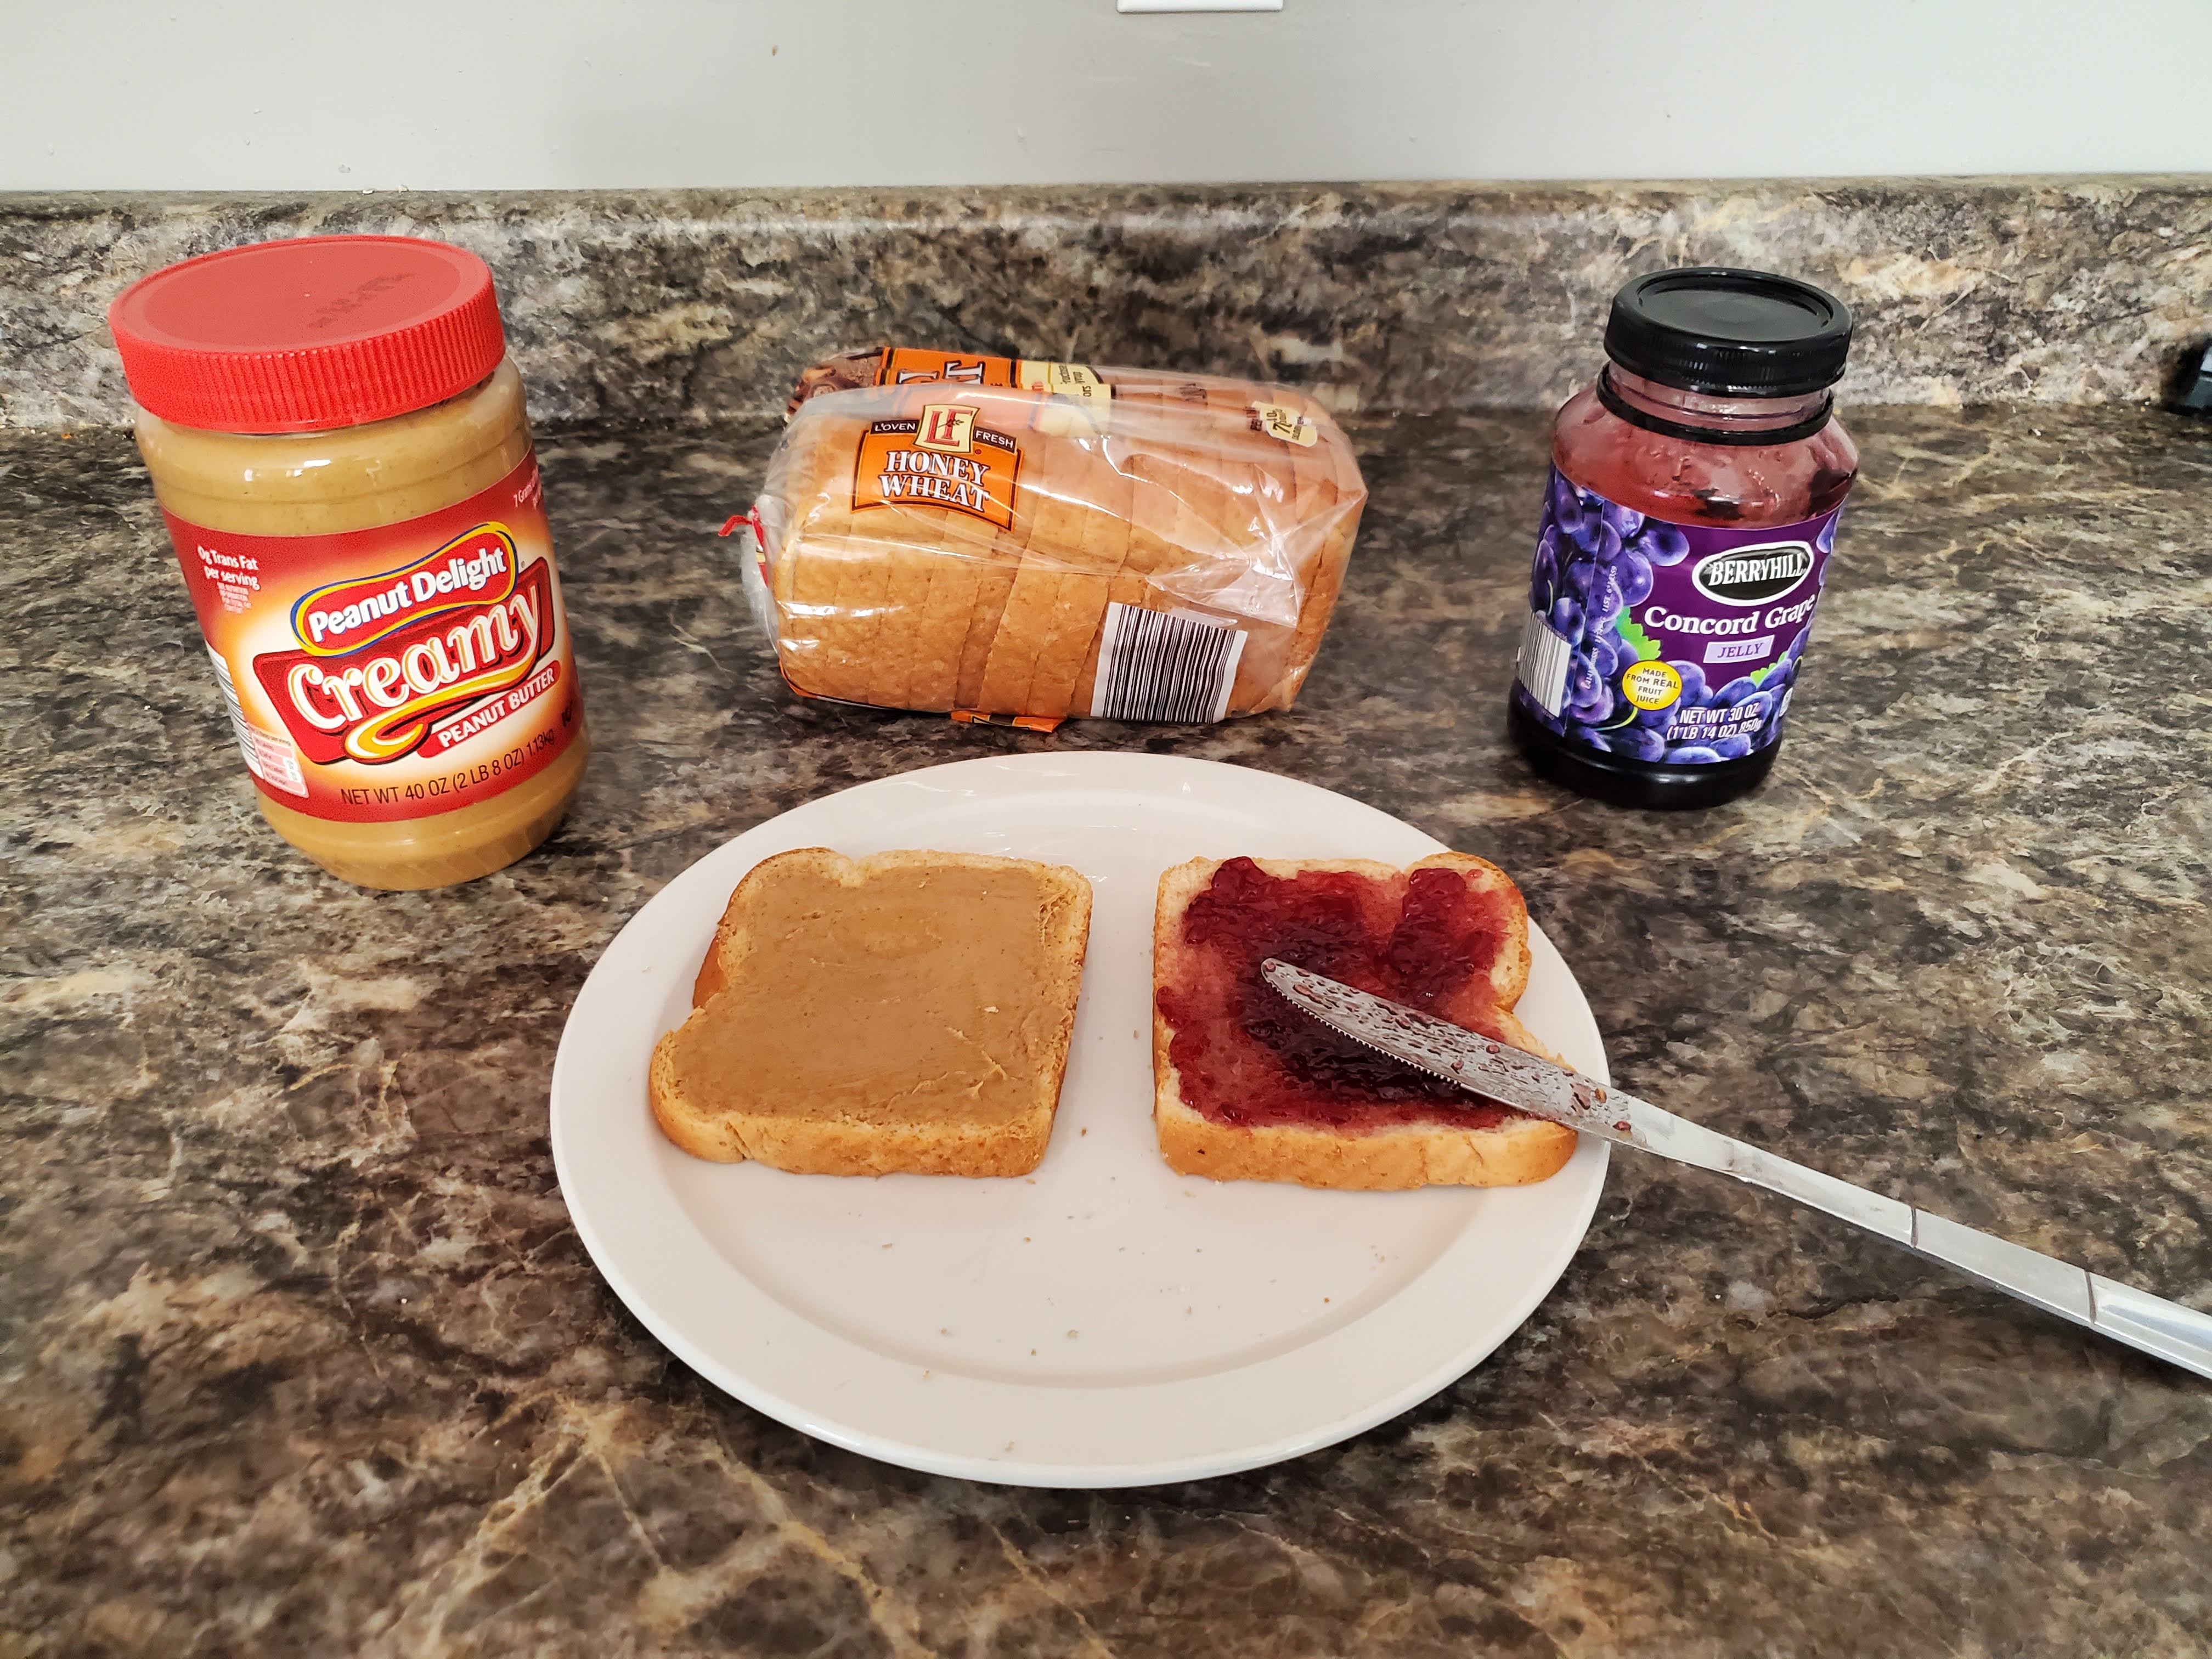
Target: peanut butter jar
340,447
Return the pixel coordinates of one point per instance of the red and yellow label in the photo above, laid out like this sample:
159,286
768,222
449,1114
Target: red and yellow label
939,460
387,674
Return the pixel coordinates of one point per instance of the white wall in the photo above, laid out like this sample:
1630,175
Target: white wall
288,94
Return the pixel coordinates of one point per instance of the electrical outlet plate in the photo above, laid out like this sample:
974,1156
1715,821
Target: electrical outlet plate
1198,5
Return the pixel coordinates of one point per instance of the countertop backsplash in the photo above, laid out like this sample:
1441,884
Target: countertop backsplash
695,306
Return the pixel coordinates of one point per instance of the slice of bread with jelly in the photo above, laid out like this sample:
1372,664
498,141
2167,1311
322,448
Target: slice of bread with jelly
909,1011
1246,1088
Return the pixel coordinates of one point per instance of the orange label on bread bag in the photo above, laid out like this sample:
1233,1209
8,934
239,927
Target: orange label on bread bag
904,366
1073,383
941,458
386,674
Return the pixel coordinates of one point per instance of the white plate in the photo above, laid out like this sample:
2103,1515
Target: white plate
1105,1321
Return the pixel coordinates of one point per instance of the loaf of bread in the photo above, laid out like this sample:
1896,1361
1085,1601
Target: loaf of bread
998,536
1247,1088
907,1012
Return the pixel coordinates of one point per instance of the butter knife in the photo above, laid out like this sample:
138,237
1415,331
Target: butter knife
1498,1072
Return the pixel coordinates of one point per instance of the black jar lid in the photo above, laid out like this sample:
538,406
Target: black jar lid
1730,333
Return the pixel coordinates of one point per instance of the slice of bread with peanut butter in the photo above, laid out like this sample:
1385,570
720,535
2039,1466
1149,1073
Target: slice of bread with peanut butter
906,1012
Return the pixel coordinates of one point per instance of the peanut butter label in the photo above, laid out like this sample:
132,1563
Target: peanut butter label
387,674
940,459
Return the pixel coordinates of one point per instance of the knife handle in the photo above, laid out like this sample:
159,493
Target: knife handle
2179,1335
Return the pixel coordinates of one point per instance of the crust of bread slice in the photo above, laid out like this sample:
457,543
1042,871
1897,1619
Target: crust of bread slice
1192,532
799,583
1509,1154
937,557
874,603
1329,497
830,1145
1094,546
1075,540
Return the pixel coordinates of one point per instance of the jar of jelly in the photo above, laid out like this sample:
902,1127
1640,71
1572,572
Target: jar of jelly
1693,504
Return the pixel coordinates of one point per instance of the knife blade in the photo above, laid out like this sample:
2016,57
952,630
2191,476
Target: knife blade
1496,1071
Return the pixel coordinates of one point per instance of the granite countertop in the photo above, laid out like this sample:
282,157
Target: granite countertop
299,1353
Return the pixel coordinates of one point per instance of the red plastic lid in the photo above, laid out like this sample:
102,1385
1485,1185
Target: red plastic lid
303,335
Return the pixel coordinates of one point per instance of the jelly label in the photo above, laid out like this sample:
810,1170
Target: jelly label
387,674
1664,641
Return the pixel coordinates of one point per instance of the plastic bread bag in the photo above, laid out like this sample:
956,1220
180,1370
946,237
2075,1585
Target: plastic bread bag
1013,539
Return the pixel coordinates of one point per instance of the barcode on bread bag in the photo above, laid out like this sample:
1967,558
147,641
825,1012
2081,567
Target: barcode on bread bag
1542,664
272,760
1155,666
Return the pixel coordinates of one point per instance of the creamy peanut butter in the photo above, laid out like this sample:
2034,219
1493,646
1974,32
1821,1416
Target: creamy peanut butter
342,454
924,995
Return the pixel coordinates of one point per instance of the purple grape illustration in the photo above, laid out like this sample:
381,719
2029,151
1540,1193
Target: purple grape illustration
1693,683
1633,573
1594,709
1664,544
1604,597
1583,679
1567,507
1638,742
1594,565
